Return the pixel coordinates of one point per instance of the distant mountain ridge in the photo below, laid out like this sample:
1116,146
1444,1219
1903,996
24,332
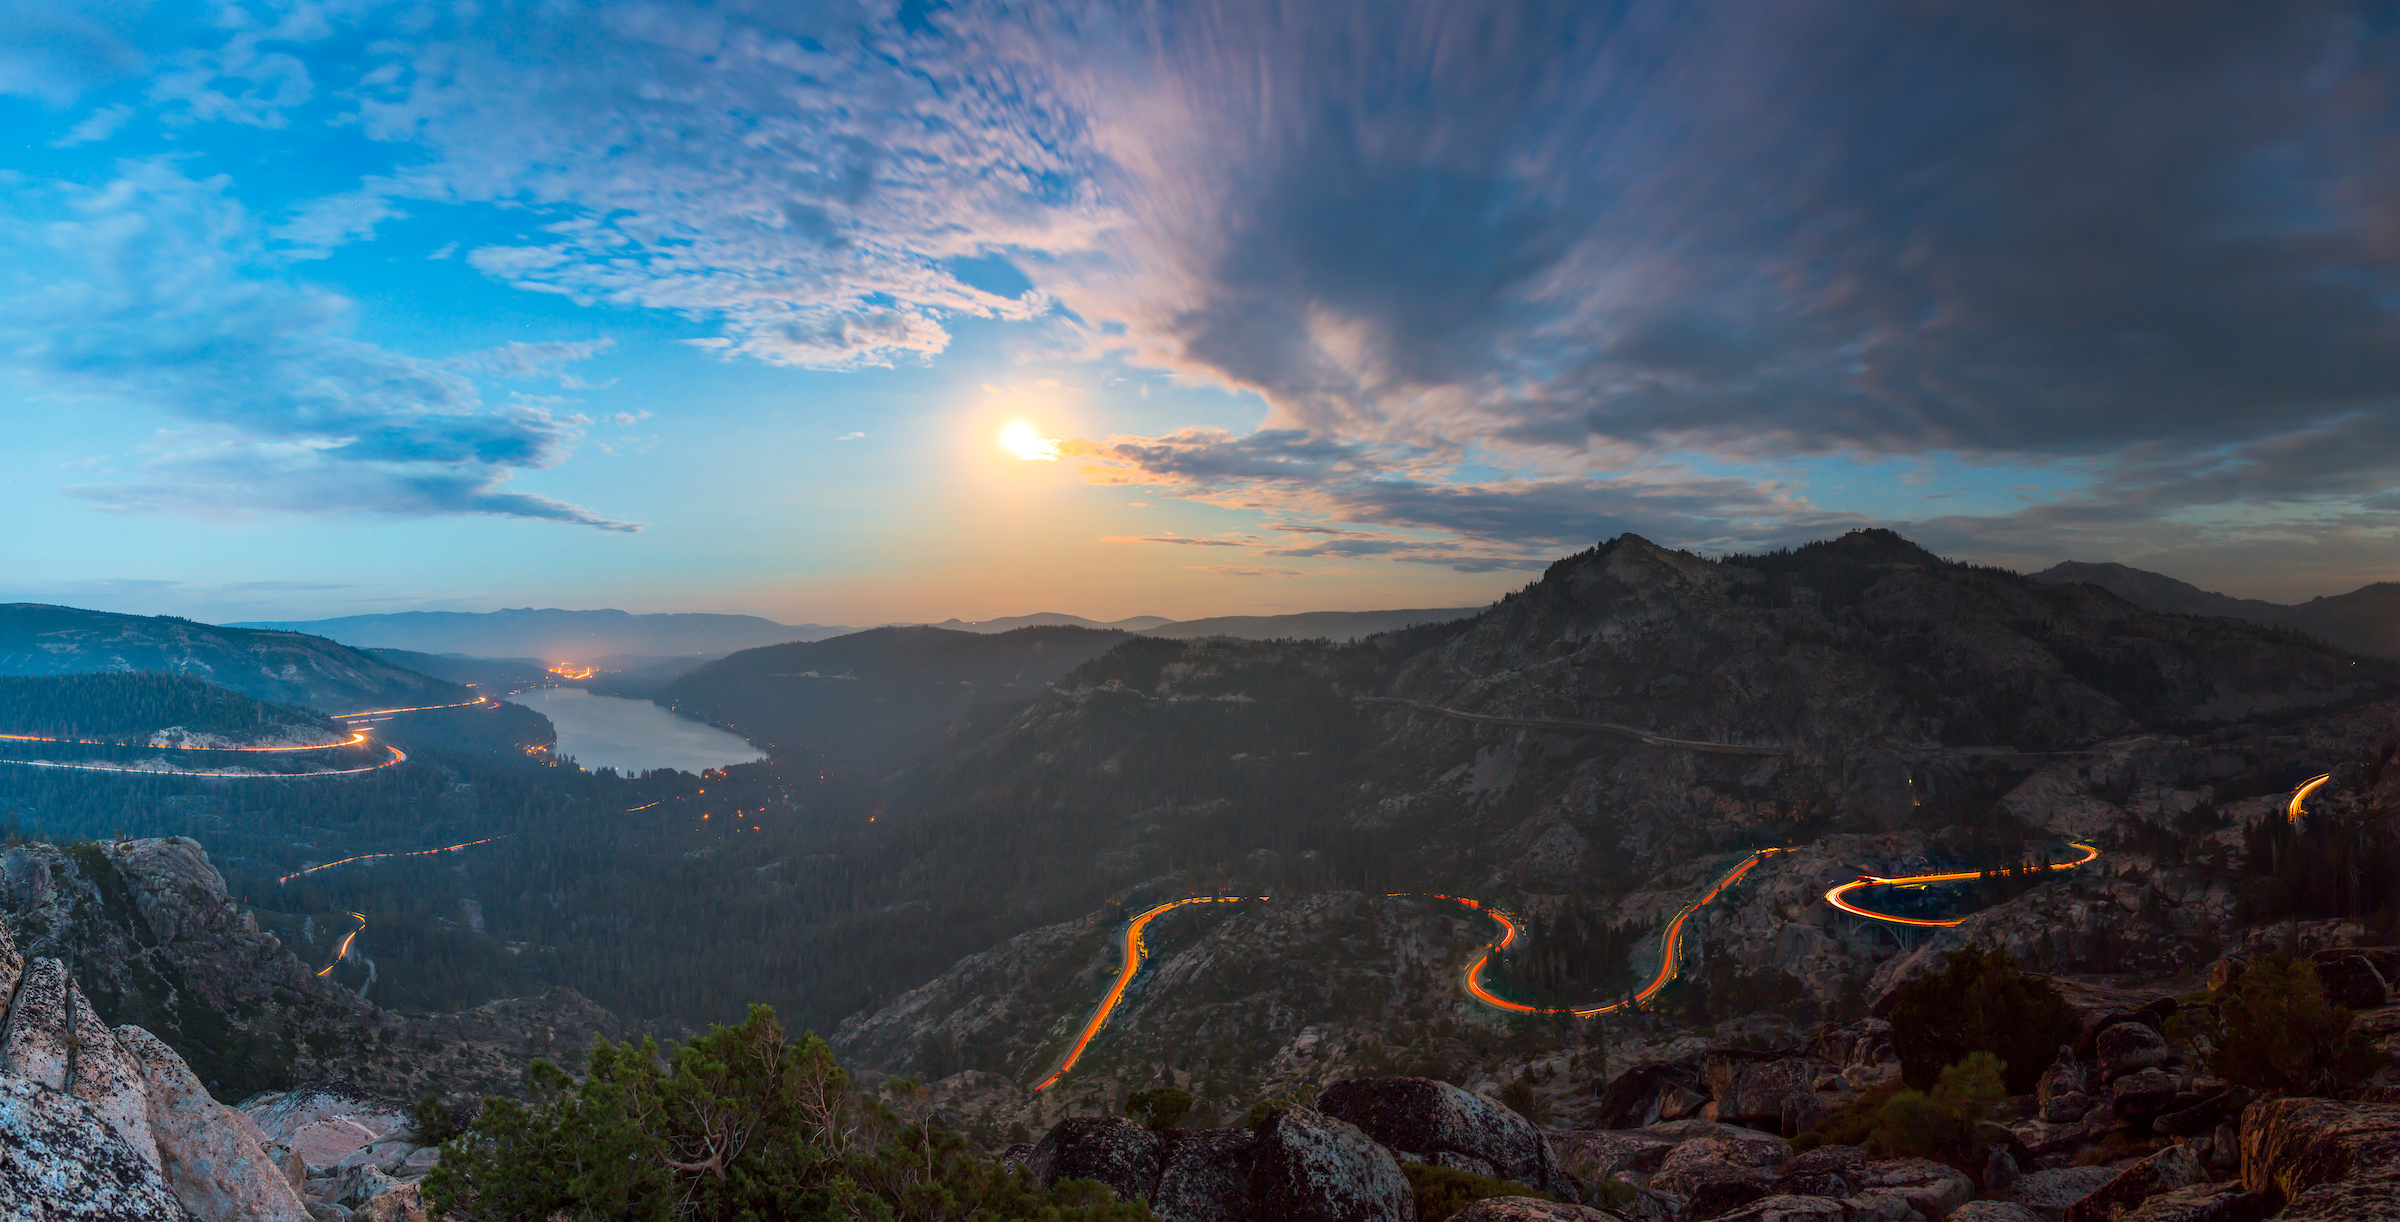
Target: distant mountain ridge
1300,625
556,635
586,636
849,703
2365,620
280,667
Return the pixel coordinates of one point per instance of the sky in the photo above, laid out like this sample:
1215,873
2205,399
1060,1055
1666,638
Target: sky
860,312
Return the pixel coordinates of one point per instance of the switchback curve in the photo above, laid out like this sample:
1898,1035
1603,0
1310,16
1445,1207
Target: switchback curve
1834,897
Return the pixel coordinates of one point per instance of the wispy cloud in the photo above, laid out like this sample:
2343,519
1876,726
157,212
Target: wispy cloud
1489,274
159,296
1244,570
99,125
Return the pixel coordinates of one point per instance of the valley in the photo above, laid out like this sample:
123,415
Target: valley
1647,800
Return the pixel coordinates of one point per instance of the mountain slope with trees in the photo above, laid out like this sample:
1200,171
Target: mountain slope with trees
279,667
2366,619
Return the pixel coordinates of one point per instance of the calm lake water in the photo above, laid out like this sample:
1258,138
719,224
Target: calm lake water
633,735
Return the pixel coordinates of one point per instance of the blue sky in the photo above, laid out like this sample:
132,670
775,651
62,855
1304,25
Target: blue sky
318,309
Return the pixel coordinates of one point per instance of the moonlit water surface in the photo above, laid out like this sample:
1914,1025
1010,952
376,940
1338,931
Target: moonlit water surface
633,735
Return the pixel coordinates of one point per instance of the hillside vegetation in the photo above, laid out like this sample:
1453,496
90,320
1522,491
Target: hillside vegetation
131,707
281,667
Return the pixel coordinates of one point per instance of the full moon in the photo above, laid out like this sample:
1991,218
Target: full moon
1020,440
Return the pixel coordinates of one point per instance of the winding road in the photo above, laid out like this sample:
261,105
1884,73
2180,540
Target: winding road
1134,951
1670,948
1834,897
2307,787
344,949
422,708
356,737
447,848
398,757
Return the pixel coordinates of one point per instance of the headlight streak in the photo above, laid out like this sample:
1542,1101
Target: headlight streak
1834,897
448,848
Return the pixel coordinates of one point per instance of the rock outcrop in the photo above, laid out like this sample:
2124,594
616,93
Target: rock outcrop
2324,1159
1432,1122
156,942
111,1124
1306,1166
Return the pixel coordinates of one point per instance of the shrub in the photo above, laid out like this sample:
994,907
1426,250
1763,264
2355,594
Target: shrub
1981,1002
1262,1110
1520,1097
738,1124
433,1121
1442,1191
1160,1108
1894,1120
2281,1034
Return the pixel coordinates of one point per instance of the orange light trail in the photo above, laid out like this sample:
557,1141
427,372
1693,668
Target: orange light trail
630,809
1834,897
1670,949
419,709
2301,795
398,757
355,739
1134,951
344,949
449,848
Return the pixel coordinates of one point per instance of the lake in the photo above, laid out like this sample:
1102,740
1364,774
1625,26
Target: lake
633,735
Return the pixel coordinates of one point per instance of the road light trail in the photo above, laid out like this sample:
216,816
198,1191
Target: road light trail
422,708
2301,795
1834,897
398,757
344,948
448,848
1670,949
356,737
1134,950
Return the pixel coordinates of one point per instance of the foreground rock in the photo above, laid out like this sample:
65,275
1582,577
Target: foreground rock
1425,1121
104,1124
1307,1166
2326,1160
345,1149
183,950
59,1160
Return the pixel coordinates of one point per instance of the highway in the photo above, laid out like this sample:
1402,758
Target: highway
398,757
1835,896
1134,950
1602,727
448,848
422,708
344,949
1670,949
356,737
2293,812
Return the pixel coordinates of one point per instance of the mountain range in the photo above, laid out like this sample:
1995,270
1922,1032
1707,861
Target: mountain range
583,636
555,635
277,666
2365,620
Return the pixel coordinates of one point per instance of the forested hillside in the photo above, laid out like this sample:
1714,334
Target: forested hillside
130,708
283,667
854,705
